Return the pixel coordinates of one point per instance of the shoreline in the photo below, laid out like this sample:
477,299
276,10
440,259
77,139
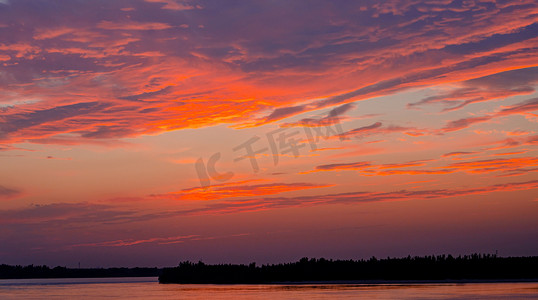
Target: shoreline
388,282
284,283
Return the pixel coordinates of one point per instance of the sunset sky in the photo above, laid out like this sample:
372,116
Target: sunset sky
144,133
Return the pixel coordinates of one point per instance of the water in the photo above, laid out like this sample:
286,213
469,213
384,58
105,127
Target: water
148,288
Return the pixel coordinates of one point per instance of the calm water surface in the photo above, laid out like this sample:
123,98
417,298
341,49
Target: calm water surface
148,288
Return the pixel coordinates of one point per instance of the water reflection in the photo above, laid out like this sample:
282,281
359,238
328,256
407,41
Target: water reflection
148,288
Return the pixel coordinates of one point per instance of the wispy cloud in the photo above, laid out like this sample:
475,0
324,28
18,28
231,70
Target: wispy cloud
8,193
508,165
500,85
132,242
132,25
378,128
355,198
174,5
520,108
237,189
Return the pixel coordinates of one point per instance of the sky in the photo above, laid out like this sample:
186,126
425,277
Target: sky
149,132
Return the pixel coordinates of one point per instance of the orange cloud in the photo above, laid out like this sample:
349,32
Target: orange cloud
491,165
479,166
458,153
510,153
236,189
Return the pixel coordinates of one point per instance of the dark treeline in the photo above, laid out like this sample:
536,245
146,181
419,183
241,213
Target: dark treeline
443,267
31,271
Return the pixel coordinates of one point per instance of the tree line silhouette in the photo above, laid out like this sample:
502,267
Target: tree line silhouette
442,267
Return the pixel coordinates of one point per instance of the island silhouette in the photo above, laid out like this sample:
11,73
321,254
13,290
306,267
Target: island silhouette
426,268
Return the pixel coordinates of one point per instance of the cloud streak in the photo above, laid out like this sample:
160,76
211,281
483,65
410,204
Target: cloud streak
236,189
500,85
520,108
508,165
8,193
355,198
